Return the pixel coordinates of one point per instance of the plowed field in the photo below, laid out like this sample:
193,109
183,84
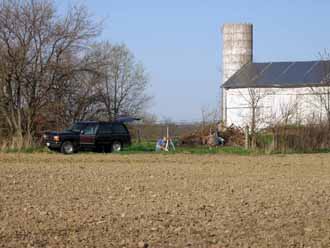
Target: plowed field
84,200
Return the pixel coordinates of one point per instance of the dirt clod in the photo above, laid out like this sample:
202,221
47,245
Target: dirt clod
142,244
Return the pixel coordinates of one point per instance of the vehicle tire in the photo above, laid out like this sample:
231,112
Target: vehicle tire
67,147
116,146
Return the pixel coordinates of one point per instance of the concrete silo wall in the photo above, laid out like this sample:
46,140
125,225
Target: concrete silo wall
237,51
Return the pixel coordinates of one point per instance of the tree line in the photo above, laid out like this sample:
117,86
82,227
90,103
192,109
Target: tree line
53,71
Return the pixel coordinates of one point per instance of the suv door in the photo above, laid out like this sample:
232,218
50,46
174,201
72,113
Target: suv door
87,136
104,134
120,133
110,132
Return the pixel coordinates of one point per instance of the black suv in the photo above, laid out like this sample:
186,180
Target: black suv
91,135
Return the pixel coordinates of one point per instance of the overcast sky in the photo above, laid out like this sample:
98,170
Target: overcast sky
179,42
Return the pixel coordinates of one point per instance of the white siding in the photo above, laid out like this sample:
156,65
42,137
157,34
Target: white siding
276,102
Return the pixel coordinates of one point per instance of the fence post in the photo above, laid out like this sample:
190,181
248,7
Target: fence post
139,135
246,135
274,141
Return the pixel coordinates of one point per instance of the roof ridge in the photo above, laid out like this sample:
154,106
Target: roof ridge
297,61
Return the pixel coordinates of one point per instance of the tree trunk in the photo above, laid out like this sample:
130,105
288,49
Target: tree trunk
253,129
17,140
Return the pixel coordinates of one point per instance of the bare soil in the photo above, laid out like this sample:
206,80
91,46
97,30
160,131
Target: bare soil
50,200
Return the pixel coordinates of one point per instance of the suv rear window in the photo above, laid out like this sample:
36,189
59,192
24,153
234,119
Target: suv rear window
105,128
118,128
112,128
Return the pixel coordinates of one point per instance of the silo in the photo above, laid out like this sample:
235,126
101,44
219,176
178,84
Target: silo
237,50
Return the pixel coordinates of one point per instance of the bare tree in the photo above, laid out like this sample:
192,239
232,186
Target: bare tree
253,99
322,94
81,99
210,118
124,85
40,51
286,113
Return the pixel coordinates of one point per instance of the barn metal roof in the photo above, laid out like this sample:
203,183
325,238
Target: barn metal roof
281,75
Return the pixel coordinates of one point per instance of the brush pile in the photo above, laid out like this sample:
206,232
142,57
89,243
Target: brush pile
233,136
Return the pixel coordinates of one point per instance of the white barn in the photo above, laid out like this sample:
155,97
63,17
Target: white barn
291,92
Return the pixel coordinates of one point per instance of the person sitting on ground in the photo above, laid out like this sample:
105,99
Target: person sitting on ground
214,140
220,140
161,144
221,128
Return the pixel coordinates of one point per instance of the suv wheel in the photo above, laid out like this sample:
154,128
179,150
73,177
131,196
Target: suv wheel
67,147
116,146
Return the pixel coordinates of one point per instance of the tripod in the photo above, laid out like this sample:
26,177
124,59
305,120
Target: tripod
169,143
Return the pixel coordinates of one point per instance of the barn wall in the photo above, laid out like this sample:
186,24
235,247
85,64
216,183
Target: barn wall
300,104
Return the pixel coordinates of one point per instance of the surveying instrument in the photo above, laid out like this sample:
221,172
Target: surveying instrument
169,143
